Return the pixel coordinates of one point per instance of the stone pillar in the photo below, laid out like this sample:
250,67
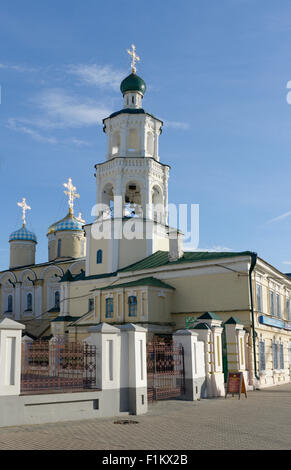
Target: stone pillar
209,330
136,364
10,357
107,340
194,364
236,347
121,365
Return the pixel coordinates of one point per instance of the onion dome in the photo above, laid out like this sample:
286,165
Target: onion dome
133,83
23,234
70,222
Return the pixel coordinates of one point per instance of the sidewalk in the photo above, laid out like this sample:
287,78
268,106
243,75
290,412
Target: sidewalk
262,421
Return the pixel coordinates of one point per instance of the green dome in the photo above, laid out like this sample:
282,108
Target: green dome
133,83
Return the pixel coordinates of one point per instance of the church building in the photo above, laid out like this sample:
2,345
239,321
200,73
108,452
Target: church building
135,269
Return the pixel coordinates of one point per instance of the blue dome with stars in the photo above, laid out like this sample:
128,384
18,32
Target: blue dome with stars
70,222
23,234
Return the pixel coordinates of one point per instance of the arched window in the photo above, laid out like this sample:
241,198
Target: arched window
132,306
99,257
9,303
109,308
29,302
59,248
57,299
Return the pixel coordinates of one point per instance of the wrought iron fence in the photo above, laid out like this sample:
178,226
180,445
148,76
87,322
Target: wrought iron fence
165,370
57,365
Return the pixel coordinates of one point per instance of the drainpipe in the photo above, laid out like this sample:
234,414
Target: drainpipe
253,263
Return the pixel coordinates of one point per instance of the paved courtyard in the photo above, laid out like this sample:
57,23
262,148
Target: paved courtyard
262,421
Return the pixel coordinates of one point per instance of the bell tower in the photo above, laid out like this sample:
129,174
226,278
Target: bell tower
132,182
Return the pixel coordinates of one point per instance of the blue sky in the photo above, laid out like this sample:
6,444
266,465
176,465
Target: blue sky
216,73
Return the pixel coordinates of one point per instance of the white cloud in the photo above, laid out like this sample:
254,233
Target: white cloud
176,125
17,126
17,68
98,75
280,217
215,248
286,262
61,110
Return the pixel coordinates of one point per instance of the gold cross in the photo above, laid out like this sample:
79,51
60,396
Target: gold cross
25,208
71,193
134,58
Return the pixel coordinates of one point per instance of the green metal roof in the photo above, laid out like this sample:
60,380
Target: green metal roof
147,281
233,321
160,258
67,277
209,316
132,111
133,83
66,318
201,326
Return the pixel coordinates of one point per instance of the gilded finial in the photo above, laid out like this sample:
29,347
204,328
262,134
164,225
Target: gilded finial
134,58
25,208
72,194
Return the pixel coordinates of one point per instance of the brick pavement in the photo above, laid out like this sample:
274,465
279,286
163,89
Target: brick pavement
262,421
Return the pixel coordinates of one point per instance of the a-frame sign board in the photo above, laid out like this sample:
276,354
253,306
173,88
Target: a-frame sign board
235,384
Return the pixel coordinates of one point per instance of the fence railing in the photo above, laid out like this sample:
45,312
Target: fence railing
165,370
56,365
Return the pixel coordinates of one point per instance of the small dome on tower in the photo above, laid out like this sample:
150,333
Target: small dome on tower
133,83
23,234
70,222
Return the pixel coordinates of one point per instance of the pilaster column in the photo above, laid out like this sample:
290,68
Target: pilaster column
17,309
142,141
38,298
123,136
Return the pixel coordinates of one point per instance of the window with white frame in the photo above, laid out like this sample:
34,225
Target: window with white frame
10,303
262,356
281,351
29,302
272,303
275,355
278,305
90,305
288,309
109,308
57,299
290,355
259,297
132,306
59,248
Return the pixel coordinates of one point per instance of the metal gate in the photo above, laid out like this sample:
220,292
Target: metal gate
48,367
165,371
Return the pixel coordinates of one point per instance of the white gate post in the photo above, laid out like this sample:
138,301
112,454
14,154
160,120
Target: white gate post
209,329
136,365
236,347
10,357
107,340
194,365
